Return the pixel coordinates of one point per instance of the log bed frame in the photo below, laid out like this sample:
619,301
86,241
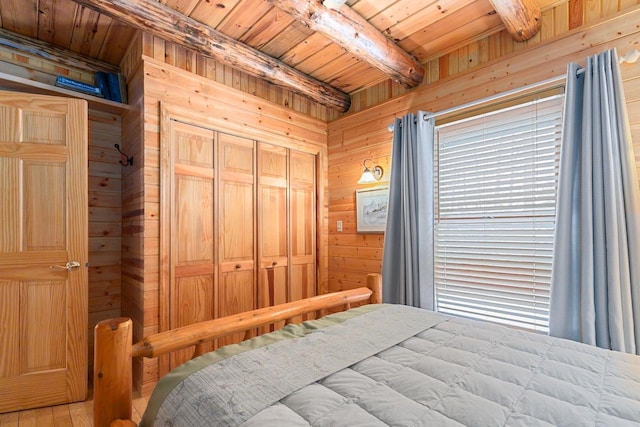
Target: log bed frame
113,352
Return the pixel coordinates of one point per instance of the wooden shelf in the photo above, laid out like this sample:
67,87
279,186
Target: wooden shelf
20,84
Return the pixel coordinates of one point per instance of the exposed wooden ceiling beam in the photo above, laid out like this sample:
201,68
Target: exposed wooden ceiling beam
520,17
351,31
153,17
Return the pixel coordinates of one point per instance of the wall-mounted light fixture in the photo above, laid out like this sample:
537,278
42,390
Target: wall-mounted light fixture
371,174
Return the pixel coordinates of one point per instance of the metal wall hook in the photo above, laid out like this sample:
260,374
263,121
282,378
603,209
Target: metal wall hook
128,160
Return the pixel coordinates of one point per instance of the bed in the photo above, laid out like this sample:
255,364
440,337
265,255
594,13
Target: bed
377,364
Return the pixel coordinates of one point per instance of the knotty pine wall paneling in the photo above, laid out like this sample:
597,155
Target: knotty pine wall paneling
105,219
557,19
187,90
186,60
499,65
40,68
134,287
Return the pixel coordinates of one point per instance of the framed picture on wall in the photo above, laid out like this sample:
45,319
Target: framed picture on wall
371,209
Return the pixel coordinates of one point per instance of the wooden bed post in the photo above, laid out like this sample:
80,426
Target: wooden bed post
374,282
112,376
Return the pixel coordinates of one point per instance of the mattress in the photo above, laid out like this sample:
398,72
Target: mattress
401,366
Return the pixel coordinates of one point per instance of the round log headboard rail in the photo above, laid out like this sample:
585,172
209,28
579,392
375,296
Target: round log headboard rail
113,351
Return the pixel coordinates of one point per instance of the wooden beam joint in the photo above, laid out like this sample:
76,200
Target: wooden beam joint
522,18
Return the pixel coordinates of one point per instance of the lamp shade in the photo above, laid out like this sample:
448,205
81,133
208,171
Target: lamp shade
333,4
370,174
367,177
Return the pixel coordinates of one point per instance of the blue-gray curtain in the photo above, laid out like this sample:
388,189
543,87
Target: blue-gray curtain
407,266
595,283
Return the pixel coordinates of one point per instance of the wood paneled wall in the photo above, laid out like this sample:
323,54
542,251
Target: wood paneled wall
105,219
134,289
186,60
39,68
558,18
188,94
506,66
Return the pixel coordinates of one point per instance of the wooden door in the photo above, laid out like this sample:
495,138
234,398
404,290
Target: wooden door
237,207
303,225
43,226
192,267
273,208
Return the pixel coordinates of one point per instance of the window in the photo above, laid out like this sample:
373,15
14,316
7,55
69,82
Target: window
496,181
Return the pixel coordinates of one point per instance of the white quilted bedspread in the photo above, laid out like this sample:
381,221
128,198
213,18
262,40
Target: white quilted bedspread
460,372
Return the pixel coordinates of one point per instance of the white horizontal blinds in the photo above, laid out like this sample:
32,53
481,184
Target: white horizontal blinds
496,180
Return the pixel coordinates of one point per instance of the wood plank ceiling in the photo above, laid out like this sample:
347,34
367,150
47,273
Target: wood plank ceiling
424,28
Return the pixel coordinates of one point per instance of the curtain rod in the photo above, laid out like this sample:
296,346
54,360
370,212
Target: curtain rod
428,116
630,57
497,96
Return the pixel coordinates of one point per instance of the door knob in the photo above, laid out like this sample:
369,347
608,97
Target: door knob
70,266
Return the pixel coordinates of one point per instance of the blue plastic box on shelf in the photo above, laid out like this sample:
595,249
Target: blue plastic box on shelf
67,83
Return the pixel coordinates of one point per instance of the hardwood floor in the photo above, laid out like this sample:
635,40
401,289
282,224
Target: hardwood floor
73,415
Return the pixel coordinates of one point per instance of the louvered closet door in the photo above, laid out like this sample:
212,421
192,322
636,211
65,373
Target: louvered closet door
303,225
237,248
192,247
273,208
43,225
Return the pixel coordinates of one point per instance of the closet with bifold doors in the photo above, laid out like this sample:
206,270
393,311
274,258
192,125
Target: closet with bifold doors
238,227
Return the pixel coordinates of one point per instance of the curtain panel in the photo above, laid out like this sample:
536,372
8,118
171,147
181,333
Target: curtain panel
595,290
407,265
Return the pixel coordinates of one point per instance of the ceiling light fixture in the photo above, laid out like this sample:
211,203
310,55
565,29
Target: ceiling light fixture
333,4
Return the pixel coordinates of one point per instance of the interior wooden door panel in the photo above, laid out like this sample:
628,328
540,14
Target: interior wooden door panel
273,218
194,296
237,294
303,225
42,334
192,287
194,220
237,227
273,230
43,206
